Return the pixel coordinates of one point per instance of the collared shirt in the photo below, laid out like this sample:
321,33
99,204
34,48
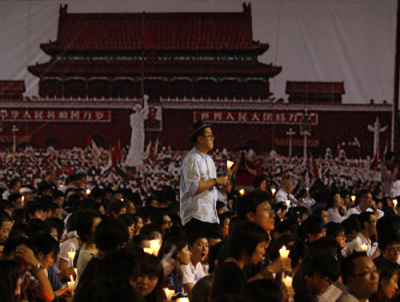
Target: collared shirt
203,206
282,196
357,210
355,245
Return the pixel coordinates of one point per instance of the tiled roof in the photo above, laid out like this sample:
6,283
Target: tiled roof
155,67
156,31
294,87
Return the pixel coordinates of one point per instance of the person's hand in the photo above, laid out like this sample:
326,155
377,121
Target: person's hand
229,173
26,255
288,293
222,181
280,265
67,272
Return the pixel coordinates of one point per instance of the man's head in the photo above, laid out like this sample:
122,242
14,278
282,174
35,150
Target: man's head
86,224
368,223
390,159
5,226
256,207
365,199
389,245
201,135
287,186
16,200
14,185
198,246
320,272
360,275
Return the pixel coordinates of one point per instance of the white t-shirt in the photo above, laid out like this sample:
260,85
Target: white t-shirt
191,274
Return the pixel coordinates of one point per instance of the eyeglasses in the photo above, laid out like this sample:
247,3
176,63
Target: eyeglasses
394,250
367,273
209,136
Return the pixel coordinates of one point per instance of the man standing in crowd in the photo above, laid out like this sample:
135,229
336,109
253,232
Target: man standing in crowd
365,201
389,171
199,181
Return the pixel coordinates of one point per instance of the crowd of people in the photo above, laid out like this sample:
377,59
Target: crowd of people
236,233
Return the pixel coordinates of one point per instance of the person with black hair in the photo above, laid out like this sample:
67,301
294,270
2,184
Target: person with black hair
181,254
389,173
10,281
150,280
389,245
115,208
319,273
388,280
5,228
86,223
364,203
127,220
193,272
46,249
246,244
335,208
35,283
360,275
16,200
13,187
368,222
199,181
336,231
33,210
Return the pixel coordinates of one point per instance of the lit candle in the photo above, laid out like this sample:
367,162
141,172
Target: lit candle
76,271
148,250
287,202
283,252
22,198
229,164
288,281
155,246
169,293
395,202
273,191
88,191
353,198
71,285
241,192
184,299
364,247
71,256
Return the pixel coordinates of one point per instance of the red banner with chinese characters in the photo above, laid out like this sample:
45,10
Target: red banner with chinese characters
255,117
56,116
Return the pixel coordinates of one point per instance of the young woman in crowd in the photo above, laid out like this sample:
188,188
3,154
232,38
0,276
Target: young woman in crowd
150,281
181,255
388,280
246,244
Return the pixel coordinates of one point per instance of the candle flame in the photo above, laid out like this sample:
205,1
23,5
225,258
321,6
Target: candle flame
229,164
353,198
273,191
395,202
241,192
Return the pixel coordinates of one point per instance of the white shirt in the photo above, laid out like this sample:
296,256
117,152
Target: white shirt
282,196
391,186
191,274
203,206
334,216
355,245
357,210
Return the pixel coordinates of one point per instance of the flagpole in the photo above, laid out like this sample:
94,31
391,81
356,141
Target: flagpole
396,81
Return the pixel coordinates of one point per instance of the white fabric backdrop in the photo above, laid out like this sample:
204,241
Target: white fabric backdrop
321,40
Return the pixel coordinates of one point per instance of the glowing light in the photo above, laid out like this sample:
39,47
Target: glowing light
283,252
241,192
229,164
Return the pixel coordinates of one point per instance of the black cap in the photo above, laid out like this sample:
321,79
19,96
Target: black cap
197,126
